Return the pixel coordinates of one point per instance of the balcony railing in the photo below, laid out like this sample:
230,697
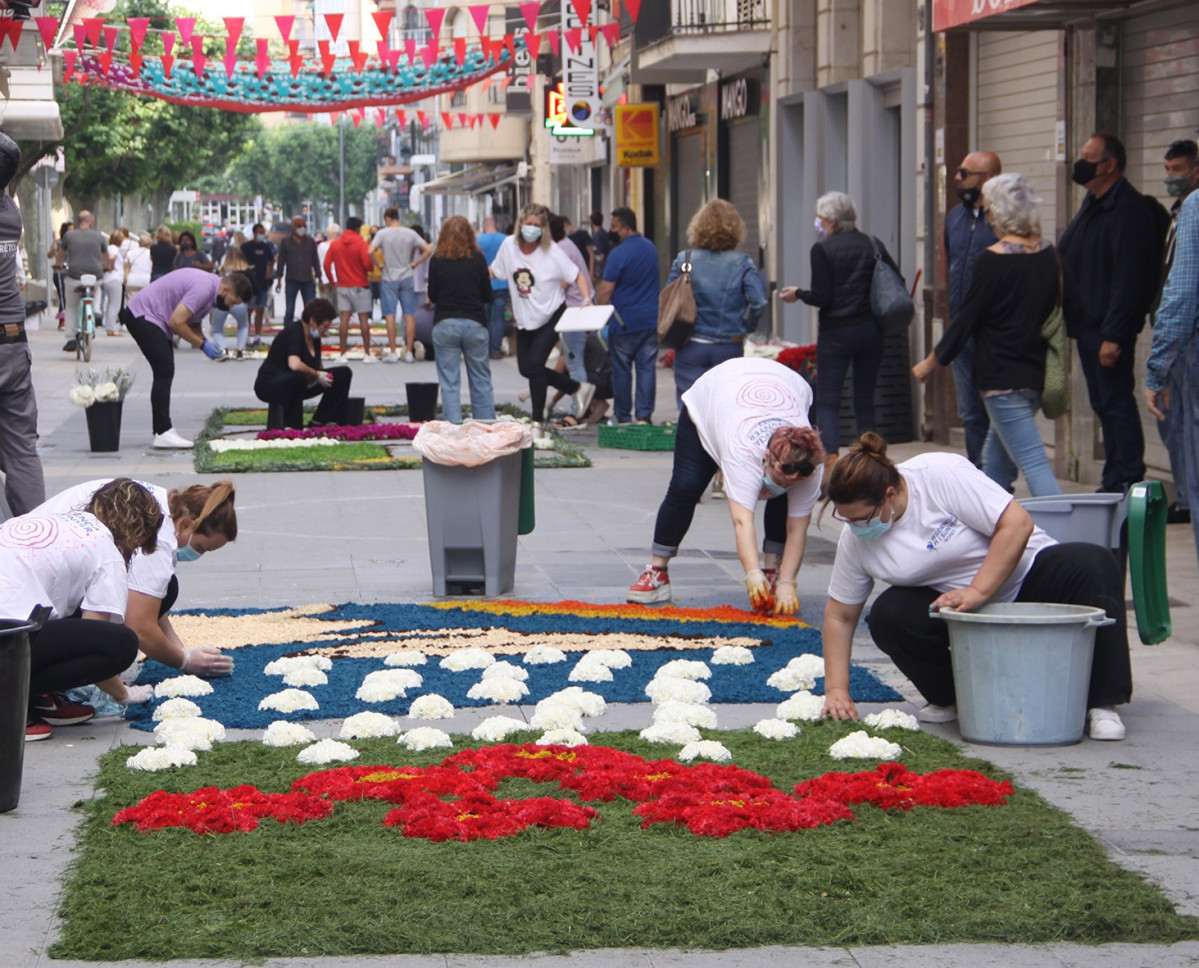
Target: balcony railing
691,17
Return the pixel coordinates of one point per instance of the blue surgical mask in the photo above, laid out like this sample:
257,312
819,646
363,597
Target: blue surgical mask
301,230
530,233
820,230
774,489
260,237
315,332
188,553
876,527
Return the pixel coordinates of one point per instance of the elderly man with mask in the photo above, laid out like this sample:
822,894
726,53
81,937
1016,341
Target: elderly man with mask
299,266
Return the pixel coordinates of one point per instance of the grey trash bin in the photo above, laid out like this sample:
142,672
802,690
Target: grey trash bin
472,515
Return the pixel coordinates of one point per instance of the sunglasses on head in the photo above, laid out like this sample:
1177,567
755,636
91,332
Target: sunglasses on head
803,468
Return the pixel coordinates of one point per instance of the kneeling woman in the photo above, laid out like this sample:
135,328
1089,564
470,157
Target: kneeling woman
747,418
944,535
76,565
196,520
292,371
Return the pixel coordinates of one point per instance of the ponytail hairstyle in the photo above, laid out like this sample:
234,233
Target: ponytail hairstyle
796,445
131,513
209,505
864,474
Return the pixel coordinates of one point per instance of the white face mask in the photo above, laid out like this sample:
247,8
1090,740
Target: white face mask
820,230
301,230
530,233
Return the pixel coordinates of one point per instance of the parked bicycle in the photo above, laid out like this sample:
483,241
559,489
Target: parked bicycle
85,323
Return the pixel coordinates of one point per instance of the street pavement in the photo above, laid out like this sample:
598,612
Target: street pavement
361,536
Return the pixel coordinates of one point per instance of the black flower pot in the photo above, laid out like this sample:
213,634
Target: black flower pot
104,426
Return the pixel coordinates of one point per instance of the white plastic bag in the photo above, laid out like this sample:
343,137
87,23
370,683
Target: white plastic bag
472,443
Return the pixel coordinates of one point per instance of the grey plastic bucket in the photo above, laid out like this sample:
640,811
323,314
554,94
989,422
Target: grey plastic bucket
1092,518
1022,670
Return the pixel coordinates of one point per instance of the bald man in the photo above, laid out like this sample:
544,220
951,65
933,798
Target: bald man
967,235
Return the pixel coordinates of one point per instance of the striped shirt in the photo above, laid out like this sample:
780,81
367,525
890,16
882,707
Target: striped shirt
1178,316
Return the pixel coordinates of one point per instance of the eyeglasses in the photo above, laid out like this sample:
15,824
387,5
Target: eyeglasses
966,173
838,516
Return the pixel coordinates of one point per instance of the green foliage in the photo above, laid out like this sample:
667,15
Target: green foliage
193,227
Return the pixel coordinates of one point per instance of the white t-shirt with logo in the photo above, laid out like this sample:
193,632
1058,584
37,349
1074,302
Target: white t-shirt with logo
534,281
62,560
148,574
942,538
735,407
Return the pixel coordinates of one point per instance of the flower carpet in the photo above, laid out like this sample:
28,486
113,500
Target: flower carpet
357,640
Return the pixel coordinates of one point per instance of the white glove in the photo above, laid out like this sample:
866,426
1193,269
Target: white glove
207,662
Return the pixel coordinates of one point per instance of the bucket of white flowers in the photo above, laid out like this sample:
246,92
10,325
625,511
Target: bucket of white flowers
101,394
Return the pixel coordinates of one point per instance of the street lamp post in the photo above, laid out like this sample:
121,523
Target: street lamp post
341,172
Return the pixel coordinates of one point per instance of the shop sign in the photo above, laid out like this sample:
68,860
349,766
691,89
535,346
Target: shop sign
637,141
576,151
556,117
956,13
680,115
738,99
580,73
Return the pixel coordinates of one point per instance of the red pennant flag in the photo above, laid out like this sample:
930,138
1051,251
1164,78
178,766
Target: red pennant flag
435,18
486,83
491,48
428,55
167,63
296,62
402,118
356,117
293,48
593,33
495,121
262,59
185,26
137,31
327,57
479,13
424,119
392,57
383,20
135,63
460,50
285,24
533,44
583,9
510,43
168,44
357,56
611,34
110,37
233,26
463,120
80,36
447,120
529,11
634,9
555,39
91,29
105,58
410,50
333,116
68,63
333,22
198,59
48,27
574,38
230,65
380,118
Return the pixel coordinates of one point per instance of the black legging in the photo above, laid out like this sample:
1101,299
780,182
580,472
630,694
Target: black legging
289,389
533,348
1072,574
71,652
156,347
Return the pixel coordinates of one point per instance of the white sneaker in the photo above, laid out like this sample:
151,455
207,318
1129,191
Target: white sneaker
937,714
419,351
391,358
171,440
409,358
1104,723
583,397
340,358
504,346
369,357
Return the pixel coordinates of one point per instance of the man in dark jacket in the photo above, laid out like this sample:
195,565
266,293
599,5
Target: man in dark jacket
967,236
1111,256
299,266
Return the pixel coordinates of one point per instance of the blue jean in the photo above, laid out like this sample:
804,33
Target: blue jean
637,350
1112,390
970,405
695,359
1014,439
862,345
501,299
398,292
306,290
1173,427
241,316
1188,409
575,345
453,341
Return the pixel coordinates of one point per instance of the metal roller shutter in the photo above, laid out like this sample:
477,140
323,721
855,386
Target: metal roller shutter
688,183
745,159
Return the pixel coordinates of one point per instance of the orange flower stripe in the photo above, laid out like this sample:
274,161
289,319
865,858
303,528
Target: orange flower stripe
720,613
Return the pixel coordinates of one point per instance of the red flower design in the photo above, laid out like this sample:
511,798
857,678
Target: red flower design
211,810
801,359
480,816
893,786
395,784
717,815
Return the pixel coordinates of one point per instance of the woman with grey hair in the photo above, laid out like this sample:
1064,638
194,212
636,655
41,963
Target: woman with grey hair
1014,287
842,269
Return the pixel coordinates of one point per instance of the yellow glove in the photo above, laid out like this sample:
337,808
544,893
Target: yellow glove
786,597
758,587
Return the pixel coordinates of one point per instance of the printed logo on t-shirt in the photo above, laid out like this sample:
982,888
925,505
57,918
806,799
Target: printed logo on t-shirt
944,531
523,277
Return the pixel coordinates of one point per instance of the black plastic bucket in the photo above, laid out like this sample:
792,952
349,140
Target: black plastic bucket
422,401
14,706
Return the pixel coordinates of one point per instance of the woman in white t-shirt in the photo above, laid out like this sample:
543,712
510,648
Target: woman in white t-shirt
748,418
75,564
538,274
196,520
944,535
112,283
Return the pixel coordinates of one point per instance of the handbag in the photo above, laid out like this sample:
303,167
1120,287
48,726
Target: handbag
1055,395
676,309
890,303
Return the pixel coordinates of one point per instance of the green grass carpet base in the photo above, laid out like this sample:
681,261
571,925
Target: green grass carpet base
341,457
348,886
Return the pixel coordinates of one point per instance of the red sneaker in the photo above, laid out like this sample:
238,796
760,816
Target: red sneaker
35,730
651,588
55,709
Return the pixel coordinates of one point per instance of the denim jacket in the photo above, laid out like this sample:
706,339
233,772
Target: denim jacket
728,291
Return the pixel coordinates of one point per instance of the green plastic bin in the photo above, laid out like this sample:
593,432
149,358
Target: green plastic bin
1147,509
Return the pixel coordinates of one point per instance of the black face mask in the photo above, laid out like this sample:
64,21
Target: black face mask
220,304
1084,171
969,195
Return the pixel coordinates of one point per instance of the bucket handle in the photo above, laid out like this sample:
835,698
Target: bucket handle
1093,621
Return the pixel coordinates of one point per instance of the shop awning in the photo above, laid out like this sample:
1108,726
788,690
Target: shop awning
1037,14
474,180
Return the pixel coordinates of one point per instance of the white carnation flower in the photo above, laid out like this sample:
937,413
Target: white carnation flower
684,669
589,670
506,670
465,659
176,734
891,718
306,676
732,655
108,392
176,709
221,446
406,657
544,655
496,729
207,727
803,705
556,715
383,685
83,396
684,690
368,725
706,748
431,706
426,738
289,701
589,704
860,745
183,686
153,758
283,733
285,664
326,751
691,713
561,737
790,680
775,729
499,691
612,658
807,665
672,732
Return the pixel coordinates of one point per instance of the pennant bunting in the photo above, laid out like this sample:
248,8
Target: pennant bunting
494,119
137,31
167,63
479,13
634,9
447,120
230,64
428,55
333,22
233,28
435,18
574,38
460,50
293,48
356,117
555,39
463,120
185,26
110,37
593,33
68,63
80,36
328,59
105,58
510,43
296,62
383,20
357,55
48,27
91,29
135,63
402,117
533,45
285,24
583,9
168,44
529,11
424,119
262,60
198,59
611,34
410,50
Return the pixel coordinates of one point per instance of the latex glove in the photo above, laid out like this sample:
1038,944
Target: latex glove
838,705
136,694
210,349
325,379
207,662
786,597
758,588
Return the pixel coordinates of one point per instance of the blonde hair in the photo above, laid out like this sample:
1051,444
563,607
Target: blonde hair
210,506
717,227
541,212
131,513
